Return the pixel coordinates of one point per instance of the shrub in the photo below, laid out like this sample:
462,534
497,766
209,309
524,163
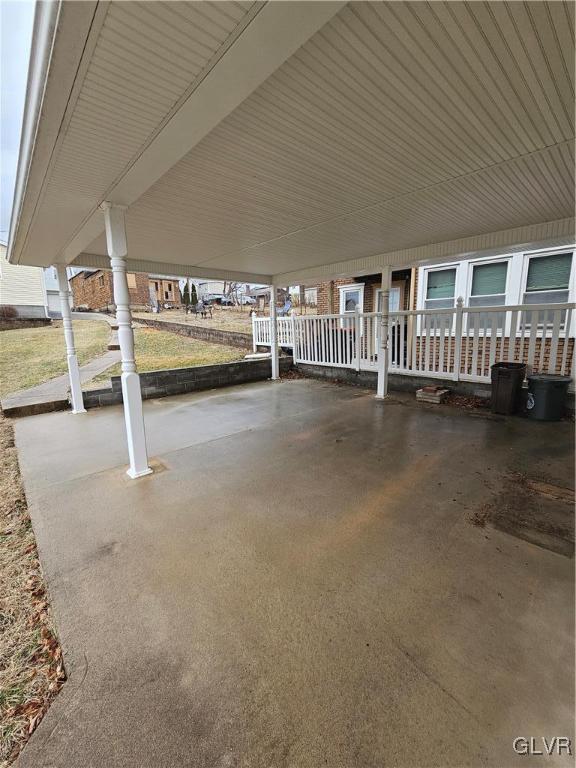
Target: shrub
8,312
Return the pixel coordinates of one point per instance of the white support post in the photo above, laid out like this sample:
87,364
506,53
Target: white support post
358,336
131,394
382,386
458,338
254,345
274,335
293,327
73,370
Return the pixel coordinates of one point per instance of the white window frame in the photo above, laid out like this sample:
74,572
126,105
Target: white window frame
342,290
505,330
482,262
423,287
527,256
423,290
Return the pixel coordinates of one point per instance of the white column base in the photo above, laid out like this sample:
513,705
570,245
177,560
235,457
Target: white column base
75,385
136,475
134,418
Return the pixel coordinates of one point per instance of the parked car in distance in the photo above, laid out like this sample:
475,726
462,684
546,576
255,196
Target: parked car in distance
217,298
247,300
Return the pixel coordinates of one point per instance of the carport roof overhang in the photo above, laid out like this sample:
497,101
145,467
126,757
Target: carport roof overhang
295,141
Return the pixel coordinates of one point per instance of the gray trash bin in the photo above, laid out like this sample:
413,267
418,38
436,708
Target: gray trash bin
546,400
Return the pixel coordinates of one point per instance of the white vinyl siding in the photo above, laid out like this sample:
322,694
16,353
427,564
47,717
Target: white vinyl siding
20,286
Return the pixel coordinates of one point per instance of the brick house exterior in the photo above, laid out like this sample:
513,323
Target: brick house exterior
166,289
329,293
94,290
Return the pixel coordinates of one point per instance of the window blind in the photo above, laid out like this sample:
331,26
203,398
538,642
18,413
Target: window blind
547,273
441,284
489,279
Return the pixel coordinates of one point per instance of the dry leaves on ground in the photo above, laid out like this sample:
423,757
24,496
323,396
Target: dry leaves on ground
31,666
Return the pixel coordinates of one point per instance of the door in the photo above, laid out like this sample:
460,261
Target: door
397,355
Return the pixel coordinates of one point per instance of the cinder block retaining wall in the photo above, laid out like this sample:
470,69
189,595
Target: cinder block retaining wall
396,381
177,381
214,335
22,322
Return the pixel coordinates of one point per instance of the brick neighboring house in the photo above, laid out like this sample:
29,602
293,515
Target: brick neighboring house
93,288
166,289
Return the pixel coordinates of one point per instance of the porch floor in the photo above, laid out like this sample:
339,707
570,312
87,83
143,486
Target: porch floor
298,584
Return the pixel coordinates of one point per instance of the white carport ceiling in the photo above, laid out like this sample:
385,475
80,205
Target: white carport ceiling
389,128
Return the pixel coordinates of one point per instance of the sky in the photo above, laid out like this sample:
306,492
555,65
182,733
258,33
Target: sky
16,17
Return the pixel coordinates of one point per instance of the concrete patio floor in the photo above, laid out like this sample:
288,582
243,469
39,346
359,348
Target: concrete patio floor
299,584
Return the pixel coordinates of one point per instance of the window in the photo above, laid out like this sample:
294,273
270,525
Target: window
547,282
101,280
440,288
548,279
488,290
351,296
170,287
489,284
131,278
156,286
166,296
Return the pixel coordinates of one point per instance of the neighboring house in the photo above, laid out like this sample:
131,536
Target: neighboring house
52,292
310,295
165,289
22,288
92,288
205,287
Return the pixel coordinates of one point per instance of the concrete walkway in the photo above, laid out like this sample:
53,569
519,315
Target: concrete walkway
55,391
298,585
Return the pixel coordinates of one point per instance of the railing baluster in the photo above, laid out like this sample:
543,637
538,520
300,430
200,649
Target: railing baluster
415,351
493,340
474,364
533,335
566,341
542,350
512,336
556,323
401,363
442,342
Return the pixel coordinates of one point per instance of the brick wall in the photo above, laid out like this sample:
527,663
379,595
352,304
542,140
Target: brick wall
329,294
94,290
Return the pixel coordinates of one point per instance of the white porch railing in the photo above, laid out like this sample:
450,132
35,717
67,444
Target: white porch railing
459,344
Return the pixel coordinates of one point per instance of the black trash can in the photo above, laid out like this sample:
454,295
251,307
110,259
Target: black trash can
546,399
507,379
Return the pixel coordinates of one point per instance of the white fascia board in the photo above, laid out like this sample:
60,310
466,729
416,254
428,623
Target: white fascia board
98,261
59,35
531,237
274,34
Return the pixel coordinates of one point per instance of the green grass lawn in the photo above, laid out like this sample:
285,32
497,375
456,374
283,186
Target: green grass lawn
159,350
30,356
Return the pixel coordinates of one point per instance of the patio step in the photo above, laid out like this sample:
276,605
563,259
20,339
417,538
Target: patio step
16,407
